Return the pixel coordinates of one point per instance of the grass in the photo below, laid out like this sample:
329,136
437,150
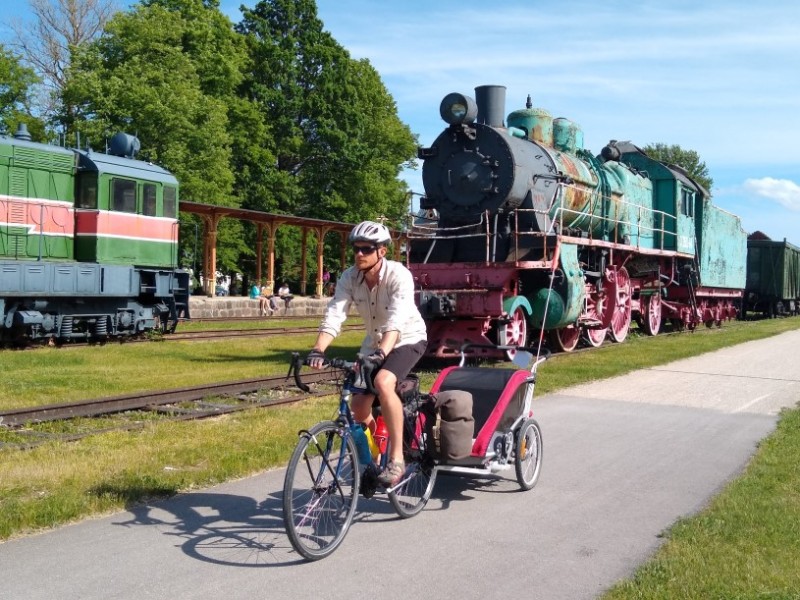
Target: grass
60,482
745,545
51,375
265,323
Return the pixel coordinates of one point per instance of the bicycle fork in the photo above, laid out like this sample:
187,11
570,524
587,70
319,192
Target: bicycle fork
320,490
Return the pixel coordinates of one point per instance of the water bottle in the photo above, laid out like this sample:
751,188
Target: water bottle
381,434
362,445
373,446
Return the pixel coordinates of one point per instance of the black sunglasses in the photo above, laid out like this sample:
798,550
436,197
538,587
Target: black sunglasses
365,250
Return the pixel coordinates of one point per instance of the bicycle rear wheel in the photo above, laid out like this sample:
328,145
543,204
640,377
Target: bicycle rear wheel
528,454
411,495
320,491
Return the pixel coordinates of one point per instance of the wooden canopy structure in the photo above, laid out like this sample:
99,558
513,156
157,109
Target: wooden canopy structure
267,225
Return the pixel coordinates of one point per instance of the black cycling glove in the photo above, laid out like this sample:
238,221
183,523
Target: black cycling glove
315,354
377,358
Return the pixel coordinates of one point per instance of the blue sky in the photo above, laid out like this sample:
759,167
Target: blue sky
721,77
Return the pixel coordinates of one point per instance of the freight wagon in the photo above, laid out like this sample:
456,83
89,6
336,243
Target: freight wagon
773,276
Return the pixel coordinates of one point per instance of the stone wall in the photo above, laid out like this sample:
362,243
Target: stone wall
221,307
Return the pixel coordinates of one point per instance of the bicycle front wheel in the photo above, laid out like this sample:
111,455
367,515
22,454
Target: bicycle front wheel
320,491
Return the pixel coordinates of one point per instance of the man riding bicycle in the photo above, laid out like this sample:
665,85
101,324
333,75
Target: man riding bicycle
383,293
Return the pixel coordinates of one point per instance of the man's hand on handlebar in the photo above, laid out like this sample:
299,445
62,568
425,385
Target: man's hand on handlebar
377,358
316,359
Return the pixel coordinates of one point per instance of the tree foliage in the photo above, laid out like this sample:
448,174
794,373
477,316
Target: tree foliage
337,142
688,160
151,74
330,145
272,114
16,89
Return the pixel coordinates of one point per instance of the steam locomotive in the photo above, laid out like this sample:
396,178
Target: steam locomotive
530,233
88,243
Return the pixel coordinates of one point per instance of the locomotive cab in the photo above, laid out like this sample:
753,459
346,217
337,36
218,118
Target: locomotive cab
126,211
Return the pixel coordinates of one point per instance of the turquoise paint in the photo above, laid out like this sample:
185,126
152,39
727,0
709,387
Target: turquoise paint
512,303
722,253
566,298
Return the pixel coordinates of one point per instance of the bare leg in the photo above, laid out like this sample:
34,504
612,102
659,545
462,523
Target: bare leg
361,407
392,411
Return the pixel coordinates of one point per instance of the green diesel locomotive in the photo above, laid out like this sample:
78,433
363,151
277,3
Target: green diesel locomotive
88,243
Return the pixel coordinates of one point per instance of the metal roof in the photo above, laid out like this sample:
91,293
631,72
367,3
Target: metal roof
124,167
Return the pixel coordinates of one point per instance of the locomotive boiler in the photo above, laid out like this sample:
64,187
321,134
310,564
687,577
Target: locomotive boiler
529,232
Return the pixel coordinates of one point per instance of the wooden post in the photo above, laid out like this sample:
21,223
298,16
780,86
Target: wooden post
210,223
259,252
303,267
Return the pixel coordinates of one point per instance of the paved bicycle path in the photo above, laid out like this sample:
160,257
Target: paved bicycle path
623,459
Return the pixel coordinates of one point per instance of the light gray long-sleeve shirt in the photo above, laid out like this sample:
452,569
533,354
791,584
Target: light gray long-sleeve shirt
389,306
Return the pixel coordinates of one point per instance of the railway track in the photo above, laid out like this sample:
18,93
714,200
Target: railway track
209,334
236,333
19,426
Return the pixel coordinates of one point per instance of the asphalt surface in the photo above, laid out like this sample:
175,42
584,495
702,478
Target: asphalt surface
623,460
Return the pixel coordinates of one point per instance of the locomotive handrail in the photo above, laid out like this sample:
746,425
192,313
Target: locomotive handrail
646,220
432,233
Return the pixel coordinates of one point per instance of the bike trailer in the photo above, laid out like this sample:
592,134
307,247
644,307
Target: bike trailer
498,401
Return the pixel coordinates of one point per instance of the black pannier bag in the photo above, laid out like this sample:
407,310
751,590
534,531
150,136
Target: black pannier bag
450,425
408,388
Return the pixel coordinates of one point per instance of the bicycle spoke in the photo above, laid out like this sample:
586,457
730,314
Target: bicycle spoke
320,499
411,494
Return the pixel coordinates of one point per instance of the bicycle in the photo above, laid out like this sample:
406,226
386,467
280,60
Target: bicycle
324,475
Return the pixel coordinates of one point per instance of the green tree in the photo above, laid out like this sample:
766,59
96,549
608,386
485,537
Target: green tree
150,73
337,142
688,160
332,146
16,88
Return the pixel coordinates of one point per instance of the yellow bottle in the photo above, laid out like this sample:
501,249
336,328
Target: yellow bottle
373,446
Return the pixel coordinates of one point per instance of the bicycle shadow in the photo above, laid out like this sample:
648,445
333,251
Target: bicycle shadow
235,530
240,531
221,528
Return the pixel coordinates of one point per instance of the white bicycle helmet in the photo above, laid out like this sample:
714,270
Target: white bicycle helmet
369,231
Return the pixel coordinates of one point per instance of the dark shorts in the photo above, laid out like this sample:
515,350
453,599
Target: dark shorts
401,360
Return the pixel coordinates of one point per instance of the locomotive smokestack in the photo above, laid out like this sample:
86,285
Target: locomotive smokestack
491,101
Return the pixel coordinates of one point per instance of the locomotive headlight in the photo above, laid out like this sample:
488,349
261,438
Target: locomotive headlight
458,108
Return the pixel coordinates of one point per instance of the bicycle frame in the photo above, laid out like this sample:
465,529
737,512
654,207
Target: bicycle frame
344,415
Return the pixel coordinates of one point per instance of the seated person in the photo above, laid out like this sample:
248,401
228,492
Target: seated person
266,303
285,294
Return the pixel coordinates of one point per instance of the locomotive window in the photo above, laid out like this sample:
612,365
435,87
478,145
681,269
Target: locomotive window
87,192
170,202
149,199
687,203
123,195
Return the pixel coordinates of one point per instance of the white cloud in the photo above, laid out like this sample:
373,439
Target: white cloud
783,191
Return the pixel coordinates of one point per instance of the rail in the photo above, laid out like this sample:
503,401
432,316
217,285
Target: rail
152,400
